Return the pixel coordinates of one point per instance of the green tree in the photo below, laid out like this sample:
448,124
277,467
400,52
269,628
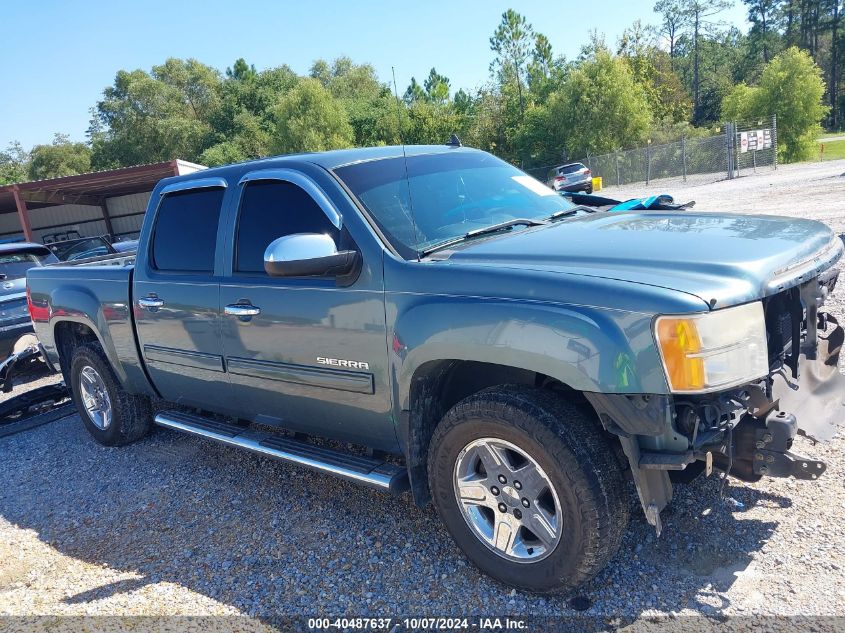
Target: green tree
512,43
791,87
14,164
763,16
244,122
699,14
724,60
740,103
546,73
652,70
415,92
487,123
61,158
464,103
345,79
310,119
156,116
241,71
537,141
368,103
436,87
673,20
596,45
427,122
600,108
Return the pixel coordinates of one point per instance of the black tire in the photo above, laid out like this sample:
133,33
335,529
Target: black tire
131,415
577,459
589,189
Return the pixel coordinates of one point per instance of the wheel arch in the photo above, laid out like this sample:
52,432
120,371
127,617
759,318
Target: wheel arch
436,386
70,333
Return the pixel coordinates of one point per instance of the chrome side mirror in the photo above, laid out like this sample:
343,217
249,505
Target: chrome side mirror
307,255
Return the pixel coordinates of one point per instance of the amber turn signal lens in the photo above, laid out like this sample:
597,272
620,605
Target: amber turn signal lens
678,342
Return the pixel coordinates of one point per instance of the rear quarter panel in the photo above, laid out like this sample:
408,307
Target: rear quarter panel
97,297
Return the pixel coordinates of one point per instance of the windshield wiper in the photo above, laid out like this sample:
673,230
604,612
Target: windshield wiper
501,226
493,228
563,213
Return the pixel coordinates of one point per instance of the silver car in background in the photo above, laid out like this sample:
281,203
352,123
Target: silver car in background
571,177
15,260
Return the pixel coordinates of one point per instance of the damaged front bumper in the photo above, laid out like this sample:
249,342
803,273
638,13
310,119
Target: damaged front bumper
806,398
762,446
745,432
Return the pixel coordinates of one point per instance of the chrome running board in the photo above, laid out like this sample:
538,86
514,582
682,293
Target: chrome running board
363,470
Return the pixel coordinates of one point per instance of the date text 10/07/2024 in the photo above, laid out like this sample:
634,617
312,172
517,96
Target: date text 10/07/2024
420,623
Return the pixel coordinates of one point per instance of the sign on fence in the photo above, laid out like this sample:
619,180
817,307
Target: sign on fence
755,140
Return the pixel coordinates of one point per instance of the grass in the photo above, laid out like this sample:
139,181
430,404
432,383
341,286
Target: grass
832,150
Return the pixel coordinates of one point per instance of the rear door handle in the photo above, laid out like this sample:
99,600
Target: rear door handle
241,310
151,302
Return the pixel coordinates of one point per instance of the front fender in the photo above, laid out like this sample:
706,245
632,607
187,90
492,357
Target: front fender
586,348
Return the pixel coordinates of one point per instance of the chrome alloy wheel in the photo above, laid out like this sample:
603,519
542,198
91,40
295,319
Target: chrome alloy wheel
507,500
95,397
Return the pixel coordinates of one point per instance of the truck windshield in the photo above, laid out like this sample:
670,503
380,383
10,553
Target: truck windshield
15,265
445,196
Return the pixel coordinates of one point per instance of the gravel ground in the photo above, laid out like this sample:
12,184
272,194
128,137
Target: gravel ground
175,525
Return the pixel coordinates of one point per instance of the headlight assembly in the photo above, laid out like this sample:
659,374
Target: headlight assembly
713,350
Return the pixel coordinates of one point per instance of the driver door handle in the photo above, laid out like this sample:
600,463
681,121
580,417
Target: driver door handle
150,302
241,310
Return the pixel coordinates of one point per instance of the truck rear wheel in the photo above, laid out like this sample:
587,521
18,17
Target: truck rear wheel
528,487
111,415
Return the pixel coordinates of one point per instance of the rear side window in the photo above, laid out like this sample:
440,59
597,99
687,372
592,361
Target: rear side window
271,209
185,234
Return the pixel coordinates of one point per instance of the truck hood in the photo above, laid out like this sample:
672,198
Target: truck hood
724,259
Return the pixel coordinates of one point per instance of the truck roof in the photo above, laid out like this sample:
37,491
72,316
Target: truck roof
330,159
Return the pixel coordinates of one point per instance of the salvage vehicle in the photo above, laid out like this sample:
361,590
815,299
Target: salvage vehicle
15,259
432,318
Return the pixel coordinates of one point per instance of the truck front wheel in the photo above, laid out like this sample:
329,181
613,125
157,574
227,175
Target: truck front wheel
528,487
111,415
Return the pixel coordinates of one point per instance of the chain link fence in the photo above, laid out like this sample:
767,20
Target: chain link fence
755,146
741,148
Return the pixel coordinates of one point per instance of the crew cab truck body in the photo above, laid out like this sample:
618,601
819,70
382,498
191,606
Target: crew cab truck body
521,356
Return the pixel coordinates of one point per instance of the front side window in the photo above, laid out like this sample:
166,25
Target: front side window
445,196
271,209
185,233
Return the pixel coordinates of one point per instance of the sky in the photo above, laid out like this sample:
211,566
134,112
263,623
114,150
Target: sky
60,55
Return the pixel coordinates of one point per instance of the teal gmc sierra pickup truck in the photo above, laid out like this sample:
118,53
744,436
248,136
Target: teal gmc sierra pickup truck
431,318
